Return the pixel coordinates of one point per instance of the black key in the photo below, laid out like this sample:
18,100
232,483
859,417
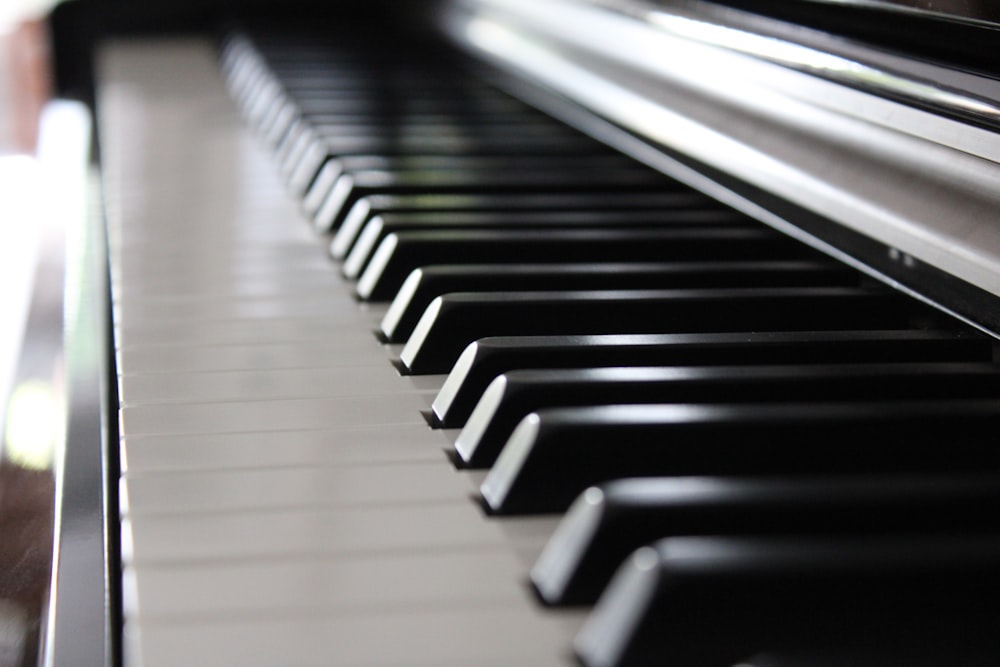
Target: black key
379,227
359,109
696,601
511,115
424,284
390,91
402,252
352,114
351,187
554,454
600,200
362,110
472,129
511,396
461,136
362,103
300,135
606,523
334,167
454,320
284,120
328,78
385,143
483,360
422,130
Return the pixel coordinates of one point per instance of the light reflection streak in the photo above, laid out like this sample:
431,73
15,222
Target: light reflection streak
34,425
20,235
804,58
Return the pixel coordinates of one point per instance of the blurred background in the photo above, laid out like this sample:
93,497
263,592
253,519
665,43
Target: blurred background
25,86
33,220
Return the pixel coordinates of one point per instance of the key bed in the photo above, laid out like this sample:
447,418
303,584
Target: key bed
581,343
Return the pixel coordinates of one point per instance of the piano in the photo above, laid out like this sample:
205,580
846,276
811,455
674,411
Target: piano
521,332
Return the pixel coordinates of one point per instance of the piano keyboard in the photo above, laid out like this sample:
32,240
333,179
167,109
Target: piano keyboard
534,378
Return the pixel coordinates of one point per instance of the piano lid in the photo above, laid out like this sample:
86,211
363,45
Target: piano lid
887,162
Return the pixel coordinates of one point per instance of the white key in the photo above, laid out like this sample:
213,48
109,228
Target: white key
383,443
269,489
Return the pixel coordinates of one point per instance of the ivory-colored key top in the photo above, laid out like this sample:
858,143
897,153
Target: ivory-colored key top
336,486
272,415
383,443
317,532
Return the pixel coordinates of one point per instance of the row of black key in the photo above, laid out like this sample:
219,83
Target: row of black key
802,462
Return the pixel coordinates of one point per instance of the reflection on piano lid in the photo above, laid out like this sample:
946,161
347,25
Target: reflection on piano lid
889,164
789,410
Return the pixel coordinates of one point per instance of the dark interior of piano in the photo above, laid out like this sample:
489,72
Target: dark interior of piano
522,332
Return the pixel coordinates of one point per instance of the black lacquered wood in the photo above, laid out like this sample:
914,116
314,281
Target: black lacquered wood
606,523
483,360
426,283
401,253
511,396
694,601
554,454
454,320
